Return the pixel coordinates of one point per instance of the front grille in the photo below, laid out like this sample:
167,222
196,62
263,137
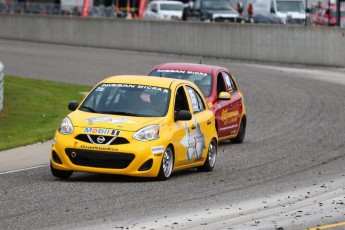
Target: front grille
99,159
117,141
295,21
224,19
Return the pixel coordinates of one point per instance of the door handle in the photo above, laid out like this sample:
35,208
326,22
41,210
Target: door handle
209,122
193,127
230,106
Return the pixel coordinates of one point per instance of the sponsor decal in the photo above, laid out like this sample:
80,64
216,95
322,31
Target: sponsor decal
94,147
133,86
118,85
54,141
75,143
230,127
109,120
158,154
157,149
181,71
97,131
233,132
194,142
229,117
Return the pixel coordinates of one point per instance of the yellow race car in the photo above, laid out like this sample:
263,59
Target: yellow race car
136,126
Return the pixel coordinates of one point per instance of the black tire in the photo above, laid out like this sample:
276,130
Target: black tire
210,158
241,133
167,164
62,174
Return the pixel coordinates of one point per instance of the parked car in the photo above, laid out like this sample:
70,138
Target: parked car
221,92
136,126
210,11
164,10
277,11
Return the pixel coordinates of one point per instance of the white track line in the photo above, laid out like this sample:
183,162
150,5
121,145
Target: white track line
19,170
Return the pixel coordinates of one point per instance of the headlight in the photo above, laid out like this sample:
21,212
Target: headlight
66,126
148,133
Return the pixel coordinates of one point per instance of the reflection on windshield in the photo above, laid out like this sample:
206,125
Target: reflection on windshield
176,7
202,80
216,5
290,6
127,100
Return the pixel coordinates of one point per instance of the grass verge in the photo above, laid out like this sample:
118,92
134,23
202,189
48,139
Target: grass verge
33,109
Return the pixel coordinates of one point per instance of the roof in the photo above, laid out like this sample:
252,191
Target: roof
188,66
144,80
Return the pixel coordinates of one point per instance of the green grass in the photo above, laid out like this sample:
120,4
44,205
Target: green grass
33,109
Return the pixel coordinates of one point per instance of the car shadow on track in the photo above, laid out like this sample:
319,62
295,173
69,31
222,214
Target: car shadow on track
104,178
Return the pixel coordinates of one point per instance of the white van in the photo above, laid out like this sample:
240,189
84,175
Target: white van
164,10
287,11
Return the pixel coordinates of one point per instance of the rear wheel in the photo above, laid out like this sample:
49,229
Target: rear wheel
62,174
241,133
211,157
167,164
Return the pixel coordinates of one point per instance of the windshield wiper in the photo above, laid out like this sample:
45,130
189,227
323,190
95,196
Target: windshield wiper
88,109
121,113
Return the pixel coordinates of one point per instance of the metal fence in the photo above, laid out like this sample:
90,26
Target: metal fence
1,85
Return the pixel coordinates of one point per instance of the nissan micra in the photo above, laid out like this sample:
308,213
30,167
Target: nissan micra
136,126
221,93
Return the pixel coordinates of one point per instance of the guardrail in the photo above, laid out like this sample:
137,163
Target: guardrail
1,85
312,45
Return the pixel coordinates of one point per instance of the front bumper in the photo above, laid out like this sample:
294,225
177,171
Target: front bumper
133,159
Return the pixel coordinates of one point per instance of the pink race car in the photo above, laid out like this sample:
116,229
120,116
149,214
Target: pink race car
221,92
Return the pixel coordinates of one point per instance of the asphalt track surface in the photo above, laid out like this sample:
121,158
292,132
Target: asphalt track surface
288,174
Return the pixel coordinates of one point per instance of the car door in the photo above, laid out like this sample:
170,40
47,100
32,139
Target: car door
235,103
202,122
181,137
151,11
227,115
190,136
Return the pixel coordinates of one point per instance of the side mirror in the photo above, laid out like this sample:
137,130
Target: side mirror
73,105
224,96
183,115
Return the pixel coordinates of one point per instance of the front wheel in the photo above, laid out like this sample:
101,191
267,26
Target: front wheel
166,165
62,174
210,158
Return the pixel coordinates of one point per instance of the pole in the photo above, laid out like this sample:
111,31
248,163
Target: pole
338,13
306,12
329,12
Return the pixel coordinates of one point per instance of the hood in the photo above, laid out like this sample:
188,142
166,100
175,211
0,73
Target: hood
222,13
106,121
171,14
291,14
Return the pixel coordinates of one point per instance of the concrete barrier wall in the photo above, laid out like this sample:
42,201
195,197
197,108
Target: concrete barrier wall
1,85
270,43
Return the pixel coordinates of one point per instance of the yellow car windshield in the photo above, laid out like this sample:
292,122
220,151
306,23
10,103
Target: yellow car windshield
128,99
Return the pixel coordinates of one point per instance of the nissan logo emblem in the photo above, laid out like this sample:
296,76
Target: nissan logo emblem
100,139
